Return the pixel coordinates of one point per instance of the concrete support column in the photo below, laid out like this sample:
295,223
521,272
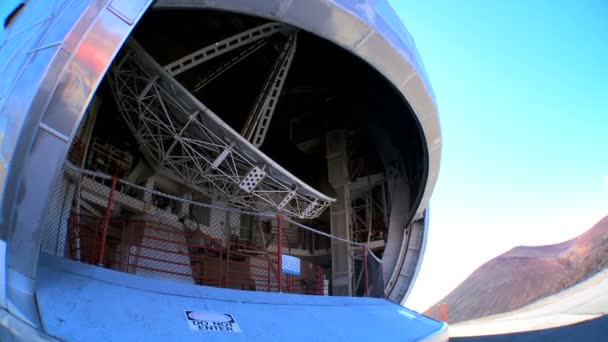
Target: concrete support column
337,166
184,208
148,194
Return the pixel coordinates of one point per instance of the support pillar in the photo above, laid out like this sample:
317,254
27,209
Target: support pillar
337,166
148,194
184,208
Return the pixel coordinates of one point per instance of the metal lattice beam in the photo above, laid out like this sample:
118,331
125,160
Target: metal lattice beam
229,64
366,212
259,119
221,47
189,143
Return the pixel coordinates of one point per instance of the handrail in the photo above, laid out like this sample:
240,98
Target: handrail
154,248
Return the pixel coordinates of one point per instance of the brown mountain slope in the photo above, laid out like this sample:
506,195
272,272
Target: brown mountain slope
526,274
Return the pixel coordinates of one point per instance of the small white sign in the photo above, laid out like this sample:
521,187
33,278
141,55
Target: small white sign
212,321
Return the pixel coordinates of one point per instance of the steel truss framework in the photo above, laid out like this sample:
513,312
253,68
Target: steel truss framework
189,143
221,47
249,50
257,123
369,213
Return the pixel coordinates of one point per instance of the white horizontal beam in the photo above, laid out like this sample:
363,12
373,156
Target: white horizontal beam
228,65
221,47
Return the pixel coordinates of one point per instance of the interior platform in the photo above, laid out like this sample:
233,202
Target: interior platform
80,302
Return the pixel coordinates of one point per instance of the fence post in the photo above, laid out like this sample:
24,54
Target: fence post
227,263
320,286
106,221
279,249
268,276
364,248
74,238
123,240
220,267
128,242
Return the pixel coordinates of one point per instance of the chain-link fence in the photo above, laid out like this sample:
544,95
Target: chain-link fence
137,228
352,267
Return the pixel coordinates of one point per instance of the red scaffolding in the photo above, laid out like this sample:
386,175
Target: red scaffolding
142,231
152,248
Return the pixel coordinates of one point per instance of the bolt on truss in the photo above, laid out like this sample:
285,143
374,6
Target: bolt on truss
221,47
257,123
189,143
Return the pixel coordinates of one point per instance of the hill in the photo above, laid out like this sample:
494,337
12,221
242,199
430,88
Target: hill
525,274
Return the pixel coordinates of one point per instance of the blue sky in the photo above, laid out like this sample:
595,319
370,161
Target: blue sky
522,91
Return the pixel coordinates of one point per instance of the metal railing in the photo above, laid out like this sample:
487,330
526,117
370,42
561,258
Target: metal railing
441,314
161,251
109,222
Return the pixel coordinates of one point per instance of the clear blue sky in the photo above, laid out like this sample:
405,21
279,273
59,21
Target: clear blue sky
522,91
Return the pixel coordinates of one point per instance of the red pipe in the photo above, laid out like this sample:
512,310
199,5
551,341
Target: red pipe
219,270
106,220
123,241
320,286
227,262
279,249
439,312
445,312
267,275
364,247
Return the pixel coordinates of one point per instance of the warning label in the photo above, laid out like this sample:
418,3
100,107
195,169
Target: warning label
212,321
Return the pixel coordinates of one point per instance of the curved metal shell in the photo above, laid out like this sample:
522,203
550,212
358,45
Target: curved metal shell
55,53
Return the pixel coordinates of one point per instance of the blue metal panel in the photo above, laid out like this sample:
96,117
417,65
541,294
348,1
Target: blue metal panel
291,264
82,303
